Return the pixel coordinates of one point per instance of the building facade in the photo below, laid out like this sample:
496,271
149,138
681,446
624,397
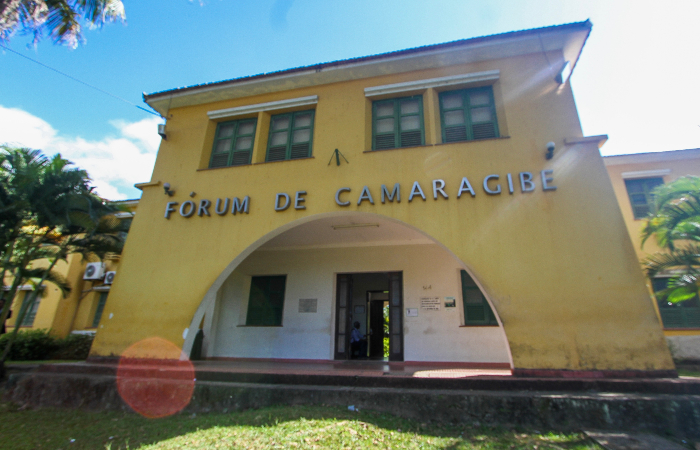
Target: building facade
633,178
443,198
81,309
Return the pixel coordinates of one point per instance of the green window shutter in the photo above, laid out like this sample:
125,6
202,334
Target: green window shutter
685,314
233,144
266,300
30,315
639,191
100,308
477,310
468,114
398,123
291,136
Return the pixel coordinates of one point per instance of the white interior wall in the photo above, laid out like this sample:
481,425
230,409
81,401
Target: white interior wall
428,271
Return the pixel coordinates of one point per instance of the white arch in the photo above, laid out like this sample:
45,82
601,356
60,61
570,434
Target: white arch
206,306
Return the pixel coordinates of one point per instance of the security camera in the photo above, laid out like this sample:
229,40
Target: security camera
168,192
550,150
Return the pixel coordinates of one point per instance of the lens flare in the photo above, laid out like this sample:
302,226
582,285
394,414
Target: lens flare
153,380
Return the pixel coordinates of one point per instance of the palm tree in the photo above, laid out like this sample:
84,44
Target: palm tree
676,227
60,18
51,212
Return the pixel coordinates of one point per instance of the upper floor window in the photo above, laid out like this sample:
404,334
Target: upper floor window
290,136
639,191
468,114
233,144
397,123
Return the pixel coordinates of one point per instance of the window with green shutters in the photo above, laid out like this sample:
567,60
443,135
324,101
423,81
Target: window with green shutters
641,199
684,314
100,307
477,310
233,144
30,315
468,115
290,136
266,300
397,123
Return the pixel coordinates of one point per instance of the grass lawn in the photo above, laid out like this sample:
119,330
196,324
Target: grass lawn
278,427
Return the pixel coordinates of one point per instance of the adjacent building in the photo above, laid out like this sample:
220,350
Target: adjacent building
633,178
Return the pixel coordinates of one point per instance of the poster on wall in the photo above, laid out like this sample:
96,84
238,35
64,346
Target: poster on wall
450,302
411,312
430,303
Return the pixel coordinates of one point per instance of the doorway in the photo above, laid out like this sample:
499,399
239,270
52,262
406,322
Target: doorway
378,325
361,299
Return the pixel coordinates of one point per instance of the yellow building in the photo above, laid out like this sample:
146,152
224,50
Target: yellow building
633,177
447,190
81,310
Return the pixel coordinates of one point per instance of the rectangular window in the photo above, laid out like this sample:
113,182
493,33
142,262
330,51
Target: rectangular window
100,308
233,144
477,310
266,301
397,123
290,136
30,315
685,314
468,115
639,191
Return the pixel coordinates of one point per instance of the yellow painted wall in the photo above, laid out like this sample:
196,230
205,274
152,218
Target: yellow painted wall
558,265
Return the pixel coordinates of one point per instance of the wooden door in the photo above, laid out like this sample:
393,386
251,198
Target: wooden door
395,316
343,313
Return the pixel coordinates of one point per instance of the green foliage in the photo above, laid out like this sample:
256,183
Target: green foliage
50,212
38,345
31,345
74,346
676,227
290,427
61,19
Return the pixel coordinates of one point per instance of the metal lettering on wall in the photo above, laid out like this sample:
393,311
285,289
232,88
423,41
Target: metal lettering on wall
493,185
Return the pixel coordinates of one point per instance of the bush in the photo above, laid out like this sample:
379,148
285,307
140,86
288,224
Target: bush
37,345
74,346
31,345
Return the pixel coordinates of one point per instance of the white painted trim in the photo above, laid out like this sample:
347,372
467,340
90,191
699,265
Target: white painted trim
24,287
646,173
269,106
467,78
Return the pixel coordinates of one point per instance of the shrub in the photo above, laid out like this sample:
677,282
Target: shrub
74,346
31,345
37,345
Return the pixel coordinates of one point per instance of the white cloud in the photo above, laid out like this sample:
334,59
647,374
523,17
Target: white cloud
114,163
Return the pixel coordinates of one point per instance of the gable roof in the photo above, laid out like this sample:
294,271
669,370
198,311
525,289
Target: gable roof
570,38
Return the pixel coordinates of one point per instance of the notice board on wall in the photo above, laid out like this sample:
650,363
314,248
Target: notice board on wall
430,303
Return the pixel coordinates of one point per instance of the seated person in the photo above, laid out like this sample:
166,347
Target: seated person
358,342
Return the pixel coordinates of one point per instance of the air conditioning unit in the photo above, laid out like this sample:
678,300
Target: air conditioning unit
109,277
94,271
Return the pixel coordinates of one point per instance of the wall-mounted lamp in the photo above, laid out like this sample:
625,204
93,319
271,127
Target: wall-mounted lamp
161,131
168,191
550,150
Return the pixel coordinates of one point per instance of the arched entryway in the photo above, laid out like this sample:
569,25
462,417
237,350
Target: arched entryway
287,296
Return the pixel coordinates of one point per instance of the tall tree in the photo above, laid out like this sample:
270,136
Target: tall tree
48,211
62,20
676,227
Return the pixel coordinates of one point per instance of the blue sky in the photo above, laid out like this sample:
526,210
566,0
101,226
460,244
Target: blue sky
637,79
